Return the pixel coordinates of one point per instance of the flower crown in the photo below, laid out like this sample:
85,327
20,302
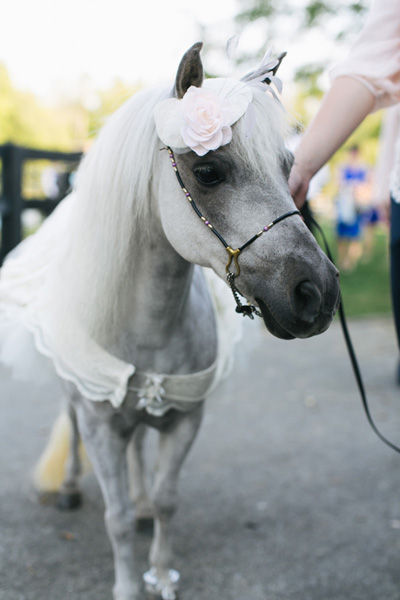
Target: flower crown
201,119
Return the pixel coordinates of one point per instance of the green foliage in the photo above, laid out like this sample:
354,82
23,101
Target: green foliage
259,9
109,100
338,19
26,121
307,78
312,14
366,290
314,11
358,7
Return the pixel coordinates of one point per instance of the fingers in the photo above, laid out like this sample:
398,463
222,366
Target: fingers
298,186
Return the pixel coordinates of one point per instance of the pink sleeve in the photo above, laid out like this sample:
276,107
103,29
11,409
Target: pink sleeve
386,156
374,59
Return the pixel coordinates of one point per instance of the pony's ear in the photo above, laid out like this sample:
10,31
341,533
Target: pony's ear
190,71
263,73
279,59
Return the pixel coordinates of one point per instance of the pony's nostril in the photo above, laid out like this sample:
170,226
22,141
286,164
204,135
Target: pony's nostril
307,301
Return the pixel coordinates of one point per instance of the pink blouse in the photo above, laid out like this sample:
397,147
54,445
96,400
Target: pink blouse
374,59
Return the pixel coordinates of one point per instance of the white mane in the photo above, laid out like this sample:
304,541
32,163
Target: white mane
108,224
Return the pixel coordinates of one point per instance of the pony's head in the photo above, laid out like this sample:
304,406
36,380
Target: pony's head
222,188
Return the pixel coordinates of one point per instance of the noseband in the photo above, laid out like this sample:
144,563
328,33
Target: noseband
248,309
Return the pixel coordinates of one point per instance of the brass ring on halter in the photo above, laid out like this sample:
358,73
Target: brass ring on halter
233,254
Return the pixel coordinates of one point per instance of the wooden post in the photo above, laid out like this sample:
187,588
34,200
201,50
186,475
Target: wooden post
11,205
12,202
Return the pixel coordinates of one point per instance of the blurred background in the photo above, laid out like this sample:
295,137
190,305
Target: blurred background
65,66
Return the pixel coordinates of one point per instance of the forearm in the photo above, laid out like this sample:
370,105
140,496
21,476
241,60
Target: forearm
343,108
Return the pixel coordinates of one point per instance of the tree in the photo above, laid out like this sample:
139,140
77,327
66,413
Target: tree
26,121
315,13
65,125
318,24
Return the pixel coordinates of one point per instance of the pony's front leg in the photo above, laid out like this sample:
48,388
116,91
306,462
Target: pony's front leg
141,500
174,446
106,447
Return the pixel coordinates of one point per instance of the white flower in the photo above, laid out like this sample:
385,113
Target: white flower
202,119
207,119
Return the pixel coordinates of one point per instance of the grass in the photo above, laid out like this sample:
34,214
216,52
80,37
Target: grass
366,290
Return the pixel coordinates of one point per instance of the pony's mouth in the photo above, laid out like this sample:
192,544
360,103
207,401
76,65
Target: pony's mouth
272,324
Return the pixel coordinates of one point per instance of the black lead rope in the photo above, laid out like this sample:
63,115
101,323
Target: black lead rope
352,354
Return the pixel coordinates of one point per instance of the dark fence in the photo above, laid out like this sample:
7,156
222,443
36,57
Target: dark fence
12,200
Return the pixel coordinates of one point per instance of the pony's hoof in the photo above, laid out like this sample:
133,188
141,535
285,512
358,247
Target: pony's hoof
164,586
69,501
144,525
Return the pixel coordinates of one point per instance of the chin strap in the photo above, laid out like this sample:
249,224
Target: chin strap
247,310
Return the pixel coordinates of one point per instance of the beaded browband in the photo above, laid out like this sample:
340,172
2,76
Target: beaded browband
248,309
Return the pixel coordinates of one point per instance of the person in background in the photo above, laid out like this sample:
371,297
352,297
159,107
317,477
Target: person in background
353,181
367,80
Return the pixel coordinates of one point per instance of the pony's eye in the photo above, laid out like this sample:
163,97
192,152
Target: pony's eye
208,175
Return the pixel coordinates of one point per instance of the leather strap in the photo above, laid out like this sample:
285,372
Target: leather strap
352,354
158,393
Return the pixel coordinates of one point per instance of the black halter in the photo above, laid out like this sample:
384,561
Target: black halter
248,309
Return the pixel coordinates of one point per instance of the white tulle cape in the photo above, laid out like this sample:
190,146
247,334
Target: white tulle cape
40,344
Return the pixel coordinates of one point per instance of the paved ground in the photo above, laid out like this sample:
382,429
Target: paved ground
287,494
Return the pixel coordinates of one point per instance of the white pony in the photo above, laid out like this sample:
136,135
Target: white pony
111,295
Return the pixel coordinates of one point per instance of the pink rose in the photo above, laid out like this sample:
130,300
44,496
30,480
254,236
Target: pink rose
202,119
207,118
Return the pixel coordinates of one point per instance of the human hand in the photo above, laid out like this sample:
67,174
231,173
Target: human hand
298,186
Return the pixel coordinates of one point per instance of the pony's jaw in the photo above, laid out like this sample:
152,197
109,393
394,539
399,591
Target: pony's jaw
272,324
314,323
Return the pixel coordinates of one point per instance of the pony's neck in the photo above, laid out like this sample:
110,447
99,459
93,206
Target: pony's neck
170,316
160,286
